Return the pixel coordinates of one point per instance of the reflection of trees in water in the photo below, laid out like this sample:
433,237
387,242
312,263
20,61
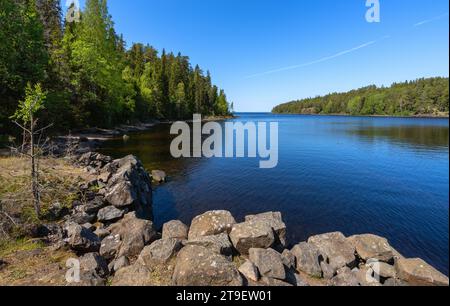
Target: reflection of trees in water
152,148
430,137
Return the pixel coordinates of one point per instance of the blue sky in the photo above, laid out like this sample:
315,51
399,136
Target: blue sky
267,52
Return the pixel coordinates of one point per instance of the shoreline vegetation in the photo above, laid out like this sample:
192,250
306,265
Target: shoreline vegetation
104,219
443,116
421,98
89,75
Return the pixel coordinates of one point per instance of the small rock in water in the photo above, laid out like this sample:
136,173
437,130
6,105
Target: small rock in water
159,176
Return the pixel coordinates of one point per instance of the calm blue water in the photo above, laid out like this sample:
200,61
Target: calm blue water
387,176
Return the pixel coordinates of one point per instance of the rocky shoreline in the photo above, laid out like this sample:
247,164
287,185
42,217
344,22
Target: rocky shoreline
98,134
110,228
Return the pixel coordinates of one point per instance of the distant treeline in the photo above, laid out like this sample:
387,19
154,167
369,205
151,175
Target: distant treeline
91,78
422,97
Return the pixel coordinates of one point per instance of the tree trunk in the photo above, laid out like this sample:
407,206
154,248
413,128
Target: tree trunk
34,179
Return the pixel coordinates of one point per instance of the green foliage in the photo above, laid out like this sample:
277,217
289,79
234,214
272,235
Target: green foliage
23,56
90,76
8,247
33,102
422,97
355,105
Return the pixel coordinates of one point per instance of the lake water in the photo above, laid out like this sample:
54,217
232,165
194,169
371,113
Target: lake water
387,176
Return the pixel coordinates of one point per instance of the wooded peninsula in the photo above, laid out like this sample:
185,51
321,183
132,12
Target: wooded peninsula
421,98
87,73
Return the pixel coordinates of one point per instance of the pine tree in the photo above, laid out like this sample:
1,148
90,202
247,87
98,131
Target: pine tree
23,56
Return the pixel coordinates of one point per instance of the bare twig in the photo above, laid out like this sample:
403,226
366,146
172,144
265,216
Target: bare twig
9,217
43,129
22,127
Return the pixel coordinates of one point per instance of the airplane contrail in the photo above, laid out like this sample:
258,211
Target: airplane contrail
323,59
430,20
340,53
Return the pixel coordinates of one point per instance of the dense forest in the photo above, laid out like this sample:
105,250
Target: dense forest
422,97
89,75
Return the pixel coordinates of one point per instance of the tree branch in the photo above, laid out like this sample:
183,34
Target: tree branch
22,127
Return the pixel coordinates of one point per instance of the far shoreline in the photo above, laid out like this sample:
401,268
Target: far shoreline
364,116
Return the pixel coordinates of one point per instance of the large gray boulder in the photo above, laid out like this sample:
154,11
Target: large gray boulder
249,271
296,279
110,247
335,249
366,277
211,223
273,282
269,263
130,186
328,272
275,221
175,229
93,206
134,275
94,264
110,214
121,194
81,239
102,233
120,263
252,234
382,269
135,234
417,272
81,217
219,244
160,252
289,259
393,282
307,259
373,247
345,278
199,266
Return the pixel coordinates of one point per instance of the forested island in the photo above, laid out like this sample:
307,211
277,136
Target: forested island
422,97
88,75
